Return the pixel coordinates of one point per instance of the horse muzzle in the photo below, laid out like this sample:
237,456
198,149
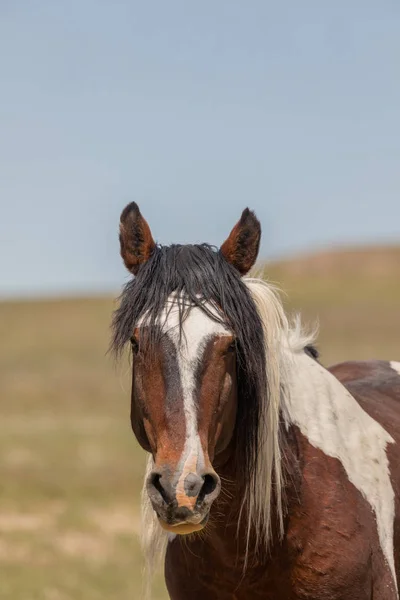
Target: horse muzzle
182,503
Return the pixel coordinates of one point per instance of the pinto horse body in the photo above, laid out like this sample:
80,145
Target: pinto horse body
269,477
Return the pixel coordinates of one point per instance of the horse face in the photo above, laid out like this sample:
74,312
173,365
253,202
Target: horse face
183,412
184,392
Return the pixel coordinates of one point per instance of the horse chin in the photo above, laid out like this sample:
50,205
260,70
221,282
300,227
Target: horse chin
183,528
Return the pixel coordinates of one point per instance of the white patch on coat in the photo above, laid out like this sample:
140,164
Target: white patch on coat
395,366
333,421
189,343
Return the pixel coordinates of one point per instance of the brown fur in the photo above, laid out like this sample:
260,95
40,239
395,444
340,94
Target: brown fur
217,411
164,426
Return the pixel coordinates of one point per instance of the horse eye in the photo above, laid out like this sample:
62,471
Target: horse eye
231,347
134,344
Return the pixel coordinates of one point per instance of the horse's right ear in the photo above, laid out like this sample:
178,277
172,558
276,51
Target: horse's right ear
135,238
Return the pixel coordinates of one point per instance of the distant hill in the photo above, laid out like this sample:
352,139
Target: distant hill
367,262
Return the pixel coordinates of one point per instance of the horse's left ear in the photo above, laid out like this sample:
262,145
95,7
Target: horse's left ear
135,238
241,247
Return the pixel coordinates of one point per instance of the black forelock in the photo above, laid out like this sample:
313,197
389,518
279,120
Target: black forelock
197,275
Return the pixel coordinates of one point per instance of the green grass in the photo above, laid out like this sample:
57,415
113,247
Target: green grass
70,469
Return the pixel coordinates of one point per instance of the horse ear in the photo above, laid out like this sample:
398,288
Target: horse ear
135,238
241,247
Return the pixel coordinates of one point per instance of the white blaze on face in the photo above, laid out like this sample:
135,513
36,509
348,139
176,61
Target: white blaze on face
190,343
333,421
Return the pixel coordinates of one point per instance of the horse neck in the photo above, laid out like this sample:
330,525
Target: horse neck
230,515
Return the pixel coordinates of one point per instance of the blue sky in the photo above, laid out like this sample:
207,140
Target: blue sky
195,110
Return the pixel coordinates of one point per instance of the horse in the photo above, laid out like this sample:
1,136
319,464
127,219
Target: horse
269,476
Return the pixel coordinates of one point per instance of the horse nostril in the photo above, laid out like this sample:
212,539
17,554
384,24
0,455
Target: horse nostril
211,482
155,482
209,485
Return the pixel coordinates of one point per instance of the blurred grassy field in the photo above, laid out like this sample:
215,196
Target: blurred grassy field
70,469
